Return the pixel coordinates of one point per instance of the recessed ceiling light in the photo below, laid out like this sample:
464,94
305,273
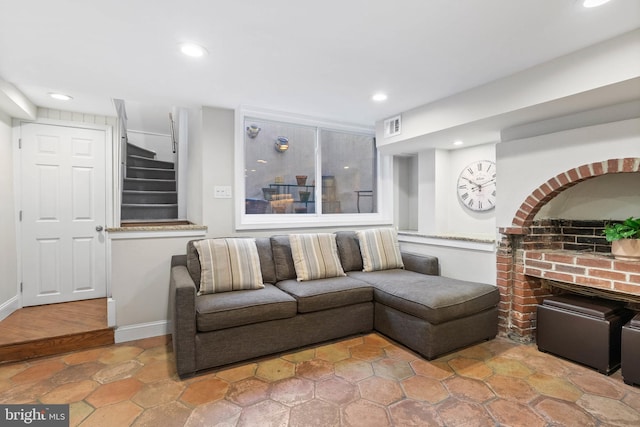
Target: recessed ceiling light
379,97
594,3
458,143
193,50
60,96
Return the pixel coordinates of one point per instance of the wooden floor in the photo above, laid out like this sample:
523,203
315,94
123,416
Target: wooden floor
54,329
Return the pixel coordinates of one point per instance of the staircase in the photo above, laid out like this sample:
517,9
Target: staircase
149,190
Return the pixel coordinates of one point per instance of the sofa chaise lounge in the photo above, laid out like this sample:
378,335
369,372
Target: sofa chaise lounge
414,306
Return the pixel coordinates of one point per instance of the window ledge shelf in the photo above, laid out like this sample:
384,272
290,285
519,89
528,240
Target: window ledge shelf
156,231
454,241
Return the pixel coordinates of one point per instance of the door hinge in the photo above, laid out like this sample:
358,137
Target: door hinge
20,216
20,287
19,143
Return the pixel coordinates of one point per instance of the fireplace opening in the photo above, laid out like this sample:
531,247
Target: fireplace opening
538,258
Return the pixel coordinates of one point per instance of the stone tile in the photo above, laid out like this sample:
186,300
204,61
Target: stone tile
548,364
554,386
76,372
154,353
351,342
510,413
5,385
512,388
314,413
118,414
400,353
477,352
264,414
171,414
70,392
159,341
84,356
632,400
561,413
413,413
8,370
470,368
337,390
117,371
499,345
38,372
333,353
119,354
367,352
393,369
207,390
436,370
353,370
155,394
27,392
275,370
220,414
595,383
468,389
509,367
376,340
424,389
300,356
155,371
248,391
238,373
454,412
78,412
315,369
380,390
292,391
609,411
363,413
114,392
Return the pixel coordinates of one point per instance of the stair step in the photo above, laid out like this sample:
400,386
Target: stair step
134,150
145,197
145,162
150,173
149,211
149,184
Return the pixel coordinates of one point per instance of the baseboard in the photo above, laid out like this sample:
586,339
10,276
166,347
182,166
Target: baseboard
142,330
9,307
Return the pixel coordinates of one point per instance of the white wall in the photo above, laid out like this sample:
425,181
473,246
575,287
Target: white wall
525,164
8,248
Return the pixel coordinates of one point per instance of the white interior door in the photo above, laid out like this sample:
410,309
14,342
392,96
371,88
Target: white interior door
63,213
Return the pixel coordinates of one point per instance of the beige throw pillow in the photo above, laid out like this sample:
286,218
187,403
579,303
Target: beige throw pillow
380,249
228,265
315,256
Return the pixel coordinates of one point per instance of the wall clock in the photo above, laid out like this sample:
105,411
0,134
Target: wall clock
477,185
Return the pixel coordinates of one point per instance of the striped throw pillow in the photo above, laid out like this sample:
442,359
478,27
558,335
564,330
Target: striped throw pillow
380,249
315,256
228,265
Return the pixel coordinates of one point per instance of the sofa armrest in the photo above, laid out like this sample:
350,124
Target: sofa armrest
425,264
183,311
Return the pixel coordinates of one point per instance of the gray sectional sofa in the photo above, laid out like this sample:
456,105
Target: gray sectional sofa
414,306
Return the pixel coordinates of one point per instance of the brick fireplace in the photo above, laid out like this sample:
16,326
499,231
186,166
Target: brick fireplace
538,258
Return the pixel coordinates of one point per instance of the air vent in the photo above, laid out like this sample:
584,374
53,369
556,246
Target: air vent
392,127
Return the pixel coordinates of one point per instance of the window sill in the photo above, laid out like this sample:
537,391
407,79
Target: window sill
478,243
156,231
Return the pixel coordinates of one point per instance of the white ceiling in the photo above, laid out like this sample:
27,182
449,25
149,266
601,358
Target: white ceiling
323,58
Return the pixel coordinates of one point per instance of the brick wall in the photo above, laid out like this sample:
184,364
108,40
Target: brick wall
520,292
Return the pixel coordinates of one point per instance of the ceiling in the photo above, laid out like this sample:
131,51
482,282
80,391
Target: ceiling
321,58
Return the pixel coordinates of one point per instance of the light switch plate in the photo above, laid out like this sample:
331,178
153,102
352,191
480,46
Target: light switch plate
222,191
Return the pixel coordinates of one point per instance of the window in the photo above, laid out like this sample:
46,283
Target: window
302,172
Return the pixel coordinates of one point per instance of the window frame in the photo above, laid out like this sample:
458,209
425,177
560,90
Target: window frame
384,179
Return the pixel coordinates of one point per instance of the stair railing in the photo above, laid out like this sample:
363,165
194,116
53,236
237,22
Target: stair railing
174,140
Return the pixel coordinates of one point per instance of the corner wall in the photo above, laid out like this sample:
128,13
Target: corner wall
8,244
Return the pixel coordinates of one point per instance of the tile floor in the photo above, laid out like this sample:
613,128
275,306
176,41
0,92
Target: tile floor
362,381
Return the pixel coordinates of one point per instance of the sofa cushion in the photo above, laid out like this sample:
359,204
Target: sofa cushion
349,250
380,249
322,294
435,299
229,309
282,258
228,265
264,253
315,256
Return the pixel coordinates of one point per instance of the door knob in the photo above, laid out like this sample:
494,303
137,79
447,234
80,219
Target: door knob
98,228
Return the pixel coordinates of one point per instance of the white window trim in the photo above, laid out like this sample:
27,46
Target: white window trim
384,216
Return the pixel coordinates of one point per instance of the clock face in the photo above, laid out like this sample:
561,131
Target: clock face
477,186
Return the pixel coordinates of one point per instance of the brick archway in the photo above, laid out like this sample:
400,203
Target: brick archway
520,294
